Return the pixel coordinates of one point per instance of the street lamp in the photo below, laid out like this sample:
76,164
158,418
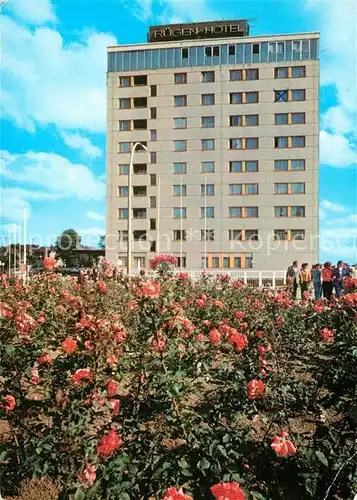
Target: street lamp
136,145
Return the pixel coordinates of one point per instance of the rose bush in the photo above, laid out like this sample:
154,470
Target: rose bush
173,389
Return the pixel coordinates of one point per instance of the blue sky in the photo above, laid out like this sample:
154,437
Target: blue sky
53,104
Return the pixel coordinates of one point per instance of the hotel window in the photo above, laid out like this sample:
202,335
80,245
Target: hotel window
235,166
208,51
281,212
140,102
298,71
226,262
153,224
282,72
297,118
280,234
298,211
236,143
181,261
153,157
236,98
281,142
209,211
180,122
179,235
251,97
207,99
251,235
207,144
251,212
251,143
180,78
235,189
251,166
281,188
140,169
235,234
281,165
180,100
124,103
216,50
251,120
248,261
180,145
236,75
152,179
125,81
281,95
153,135
139,213
124,147
235,212
122,213
139,235
184,53
123,235
236,121
139,191
297,234
179,190
215,261
252,74
179,213
298,95
180,168
123,191
207,189
298,141
238,262
297,164
251,189
140,80
296,49
207,234
232,50
207,167
140,124
153,90
153,113
123,169
281,118
124,125
122,261
207,121
207,76
297,188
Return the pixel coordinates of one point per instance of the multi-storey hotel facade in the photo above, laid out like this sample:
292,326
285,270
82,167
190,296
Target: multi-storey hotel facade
226,172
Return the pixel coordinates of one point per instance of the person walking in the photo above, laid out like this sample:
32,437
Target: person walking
327,280
292,276
339,274
305,278
316,279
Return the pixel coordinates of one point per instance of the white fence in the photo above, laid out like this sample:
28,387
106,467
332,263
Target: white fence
265,279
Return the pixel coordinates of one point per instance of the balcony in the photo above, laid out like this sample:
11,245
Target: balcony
139,191
139,213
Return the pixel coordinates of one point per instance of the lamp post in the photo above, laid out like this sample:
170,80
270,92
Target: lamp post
129,202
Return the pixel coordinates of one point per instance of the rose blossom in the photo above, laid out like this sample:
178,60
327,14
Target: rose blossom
108,443
9,403
206,322
82,374
102,287
112,388
174,494
256,389
133,305
49,263
24,323
159,344
88,476
214,336
259,334
227,491
69,345
88,344
35,377
112,360
282,446
327,335
44,359
240,315
239,340
200,337
149,289
114,405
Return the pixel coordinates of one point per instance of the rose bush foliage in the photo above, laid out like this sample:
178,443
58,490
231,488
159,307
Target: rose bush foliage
177,389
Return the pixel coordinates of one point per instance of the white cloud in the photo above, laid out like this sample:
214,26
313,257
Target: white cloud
339,242
82,144
48,81
336,150
338,120
171,11
91,231
53,173
332,207
33,11
94,215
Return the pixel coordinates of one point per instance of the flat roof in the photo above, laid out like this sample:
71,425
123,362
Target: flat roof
210,41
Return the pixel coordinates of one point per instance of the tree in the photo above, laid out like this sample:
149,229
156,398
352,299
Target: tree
65,244
101,242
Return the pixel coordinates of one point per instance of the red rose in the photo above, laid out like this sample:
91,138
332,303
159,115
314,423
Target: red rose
282,446
108,443
326,335
112,388
9,403
49,263
174,494
44,359
114,405
69,345
239,340
228,491
214,336
240,315
88,476
256,389
149,289
103,287
82,374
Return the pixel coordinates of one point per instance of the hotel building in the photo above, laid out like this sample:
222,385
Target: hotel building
230,121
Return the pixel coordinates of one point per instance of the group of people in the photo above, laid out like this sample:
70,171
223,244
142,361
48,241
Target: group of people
325,279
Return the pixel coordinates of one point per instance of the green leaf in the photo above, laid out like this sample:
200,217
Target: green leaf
124,496
183,464
257,496
79,495
226,438
92,492
222,450
322,458
203,464
310,486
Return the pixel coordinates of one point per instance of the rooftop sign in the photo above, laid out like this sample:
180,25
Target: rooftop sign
198,31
